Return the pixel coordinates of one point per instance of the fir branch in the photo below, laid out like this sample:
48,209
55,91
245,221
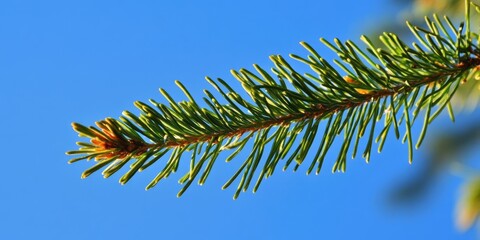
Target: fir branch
394,83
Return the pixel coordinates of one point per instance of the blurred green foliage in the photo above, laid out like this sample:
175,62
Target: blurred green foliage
447,147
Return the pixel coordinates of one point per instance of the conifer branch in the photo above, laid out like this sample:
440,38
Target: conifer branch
286,110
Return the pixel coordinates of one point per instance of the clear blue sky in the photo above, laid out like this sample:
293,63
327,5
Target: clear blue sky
82,61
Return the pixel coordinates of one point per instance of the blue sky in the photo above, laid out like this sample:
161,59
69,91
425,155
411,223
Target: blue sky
82,61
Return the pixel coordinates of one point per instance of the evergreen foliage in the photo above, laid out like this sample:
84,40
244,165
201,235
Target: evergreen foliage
394,84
